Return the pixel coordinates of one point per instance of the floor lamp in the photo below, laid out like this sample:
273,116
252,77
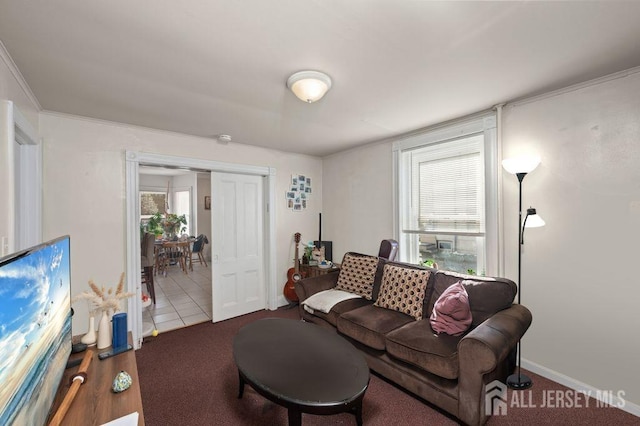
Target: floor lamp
520,167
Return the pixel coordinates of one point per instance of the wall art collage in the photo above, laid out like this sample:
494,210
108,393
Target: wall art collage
299,192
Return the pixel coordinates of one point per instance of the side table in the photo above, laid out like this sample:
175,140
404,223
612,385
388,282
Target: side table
314,271
96,403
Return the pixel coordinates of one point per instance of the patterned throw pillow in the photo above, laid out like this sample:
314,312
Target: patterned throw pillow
403,290
357,274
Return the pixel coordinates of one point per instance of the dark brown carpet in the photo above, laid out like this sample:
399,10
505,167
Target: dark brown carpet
188,377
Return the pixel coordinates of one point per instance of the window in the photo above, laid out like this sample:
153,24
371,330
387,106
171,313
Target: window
183,206
152,203
445,193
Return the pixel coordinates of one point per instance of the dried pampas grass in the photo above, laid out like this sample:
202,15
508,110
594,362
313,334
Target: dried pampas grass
101,299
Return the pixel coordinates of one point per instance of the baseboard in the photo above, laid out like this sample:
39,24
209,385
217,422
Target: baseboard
574,384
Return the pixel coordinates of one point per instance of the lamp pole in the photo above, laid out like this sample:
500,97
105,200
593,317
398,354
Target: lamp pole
520,167
520,177
519,381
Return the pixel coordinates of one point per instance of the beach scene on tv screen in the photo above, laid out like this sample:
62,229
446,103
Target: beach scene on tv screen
35,332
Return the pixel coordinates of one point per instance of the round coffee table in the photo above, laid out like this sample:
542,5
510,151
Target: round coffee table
301,366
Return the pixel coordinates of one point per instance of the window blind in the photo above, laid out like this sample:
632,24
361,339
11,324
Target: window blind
450,186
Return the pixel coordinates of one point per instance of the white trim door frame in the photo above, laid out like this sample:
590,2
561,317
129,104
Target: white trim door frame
133,161
22,177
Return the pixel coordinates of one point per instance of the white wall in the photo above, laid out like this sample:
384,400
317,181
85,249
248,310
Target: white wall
358,203
578,275
153,182
84,187
578,271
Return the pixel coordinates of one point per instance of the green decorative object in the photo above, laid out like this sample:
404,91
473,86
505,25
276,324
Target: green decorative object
122,382
429,263
169,224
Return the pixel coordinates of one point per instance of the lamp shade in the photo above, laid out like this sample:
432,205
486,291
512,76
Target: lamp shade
520,164
309,86
534,220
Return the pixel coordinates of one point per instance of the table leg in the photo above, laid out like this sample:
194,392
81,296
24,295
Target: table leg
295,417
358,413
241,388
183,264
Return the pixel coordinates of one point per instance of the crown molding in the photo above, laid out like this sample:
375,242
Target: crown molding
13,68
573,87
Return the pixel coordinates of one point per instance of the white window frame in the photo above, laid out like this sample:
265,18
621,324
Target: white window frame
485,124
191,229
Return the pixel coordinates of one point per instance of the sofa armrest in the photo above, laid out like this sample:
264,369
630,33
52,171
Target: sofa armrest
482,351
309,286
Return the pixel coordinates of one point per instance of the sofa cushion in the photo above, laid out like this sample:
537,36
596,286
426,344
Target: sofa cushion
451,313
339,309
369,324
403,290
357,273
486,295
417,344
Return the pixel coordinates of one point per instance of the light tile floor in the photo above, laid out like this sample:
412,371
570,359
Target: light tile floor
181,299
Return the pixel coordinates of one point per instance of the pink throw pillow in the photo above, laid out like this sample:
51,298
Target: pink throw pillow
451,313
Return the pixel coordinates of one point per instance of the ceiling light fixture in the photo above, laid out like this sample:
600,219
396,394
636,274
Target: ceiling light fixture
309,86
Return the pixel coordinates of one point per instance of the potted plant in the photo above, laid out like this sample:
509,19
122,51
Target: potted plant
174,225
153,225
169,224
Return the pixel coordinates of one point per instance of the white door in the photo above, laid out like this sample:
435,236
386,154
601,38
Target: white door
237,248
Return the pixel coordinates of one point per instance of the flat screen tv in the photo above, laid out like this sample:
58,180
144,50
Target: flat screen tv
35,330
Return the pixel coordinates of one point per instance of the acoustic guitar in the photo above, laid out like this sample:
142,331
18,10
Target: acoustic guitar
293,275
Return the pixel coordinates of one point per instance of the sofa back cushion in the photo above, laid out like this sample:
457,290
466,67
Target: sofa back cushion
357,274
403,290
486,295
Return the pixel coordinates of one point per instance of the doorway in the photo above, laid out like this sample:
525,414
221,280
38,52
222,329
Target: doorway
182,297
133,162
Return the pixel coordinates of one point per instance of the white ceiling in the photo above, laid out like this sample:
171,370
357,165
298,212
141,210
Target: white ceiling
210,67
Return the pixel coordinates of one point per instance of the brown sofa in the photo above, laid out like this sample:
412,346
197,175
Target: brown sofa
448,371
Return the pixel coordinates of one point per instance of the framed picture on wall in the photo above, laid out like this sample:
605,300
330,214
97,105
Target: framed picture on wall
207,202
299,192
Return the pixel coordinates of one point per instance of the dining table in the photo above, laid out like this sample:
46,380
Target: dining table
173,252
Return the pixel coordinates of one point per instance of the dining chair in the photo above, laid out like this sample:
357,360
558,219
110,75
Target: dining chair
147,261
197,251
174,253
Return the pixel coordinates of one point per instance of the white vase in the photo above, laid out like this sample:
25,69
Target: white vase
89,339
104,331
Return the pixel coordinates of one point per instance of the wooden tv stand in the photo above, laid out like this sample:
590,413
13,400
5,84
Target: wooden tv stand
95,402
